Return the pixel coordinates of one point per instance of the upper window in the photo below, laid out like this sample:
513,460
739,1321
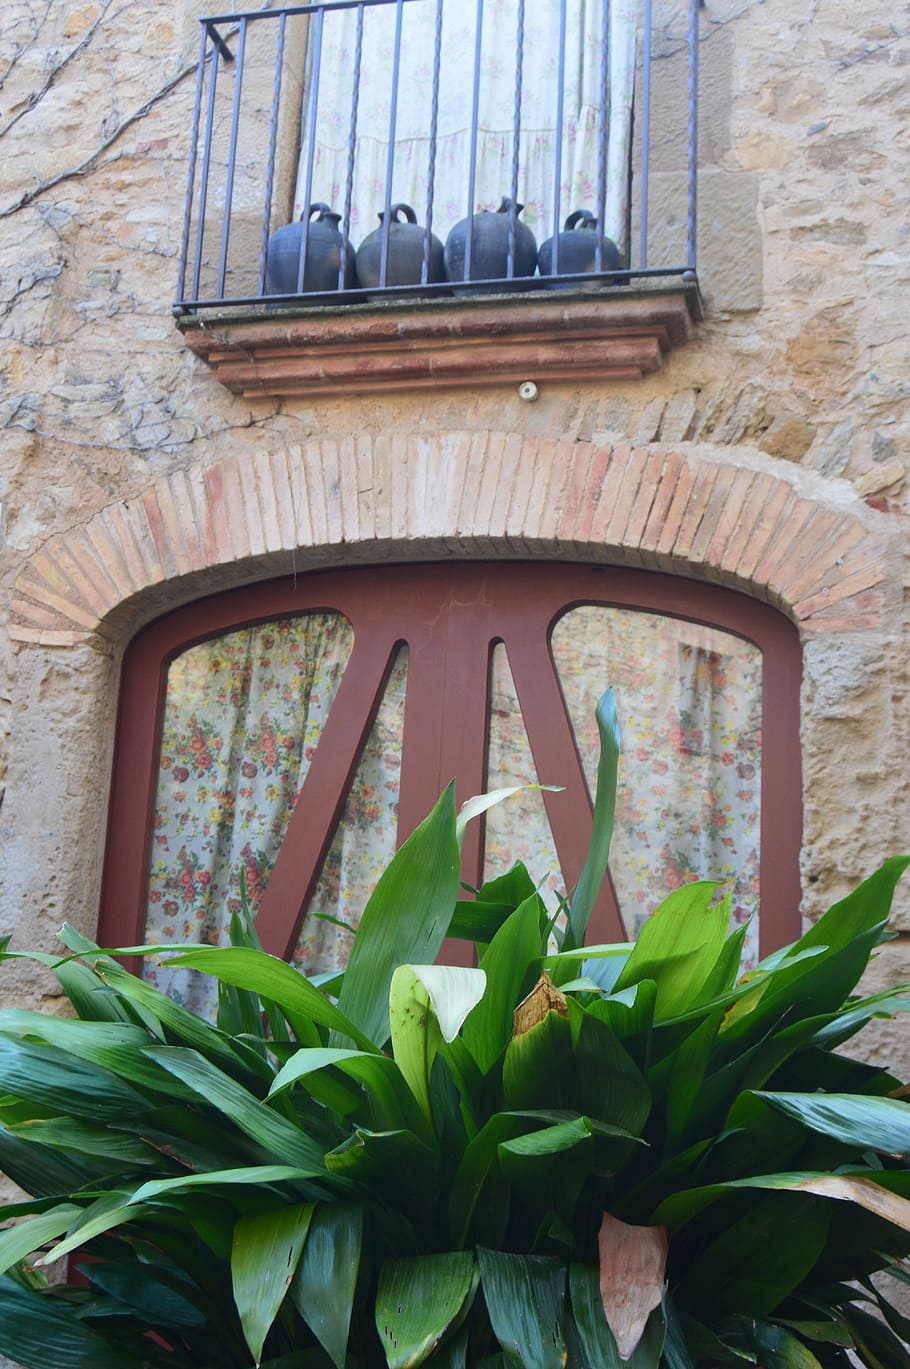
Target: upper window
297,731
312,123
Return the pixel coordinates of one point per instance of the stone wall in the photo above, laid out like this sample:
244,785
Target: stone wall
798,372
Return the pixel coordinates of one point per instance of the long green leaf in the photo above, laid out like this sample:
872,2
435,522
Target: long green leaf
869,1123
18,1241
41,1171
679,947
875,1343
326,1280
595,866
537,1067
686,1073
864,908
106,1213
854,1016
859,1186
387,1092
86,1138
245,1111
590,1322
92,1001
115,1046
300,1001
255,1175
480,1160
511,964
182,1023
39,1332
154,1301
525,1298
453,1353
478,921
776,1345
405,920
394,1166
758,1259
676,1350
809,982
630,1015
548,1168
606,1082
418,1300
195,1138
43,1075
264,1255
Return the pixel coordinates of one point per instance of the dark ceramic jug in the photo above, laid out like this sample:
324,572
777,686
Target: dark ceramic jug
406,251
577,250
490,246
323,255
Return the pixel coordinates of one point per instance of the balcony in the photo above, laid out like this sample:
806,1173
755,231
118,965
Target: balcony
341,155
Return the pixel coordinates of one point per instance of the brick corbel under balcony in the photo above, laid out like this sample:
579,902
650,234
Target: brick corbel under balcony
621,334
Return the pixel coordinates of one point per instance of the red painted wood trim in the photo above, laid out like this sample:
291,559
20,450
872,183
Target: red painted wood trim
314,820
480,603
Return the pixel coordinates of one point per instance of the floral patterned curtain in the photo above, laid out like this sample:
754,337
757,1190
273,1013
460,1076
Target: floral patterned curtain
582,112
688,806
242,718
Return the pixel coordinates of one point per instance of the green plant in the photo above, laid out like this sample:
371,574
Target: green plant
579,1156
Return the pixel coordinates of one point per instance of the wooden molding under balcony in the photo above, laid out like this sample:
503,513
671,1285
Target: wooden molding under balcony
617,334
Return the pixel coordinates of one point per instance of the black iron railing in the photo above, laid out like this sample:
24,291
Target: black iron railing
256,126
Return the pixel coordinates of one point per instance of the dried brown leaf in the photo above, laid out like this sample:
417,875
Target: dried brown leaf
866,1192
543,998
633,1261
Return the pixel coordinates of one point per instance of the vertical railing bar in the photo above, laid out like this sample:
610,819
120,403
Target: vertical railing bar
311,149
191,167
557,171
232,160
352,142
645,139
475,117
273,141
204,175
516,135
390,159
434,130
692,177
602,140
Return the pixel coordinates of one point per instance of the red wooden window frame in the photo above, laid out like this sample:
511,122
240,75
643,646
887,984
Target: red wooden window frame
450,615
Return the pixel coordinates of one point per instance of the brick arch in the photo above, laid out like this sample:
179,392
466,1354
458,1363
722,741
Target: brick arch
720,514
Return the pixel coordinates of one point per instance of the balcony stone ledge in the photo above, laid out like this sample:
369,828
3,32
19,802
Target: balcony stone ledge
374,348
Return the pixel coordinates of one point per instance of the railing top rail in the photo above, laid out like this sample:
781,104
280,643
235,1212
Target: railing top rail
212,19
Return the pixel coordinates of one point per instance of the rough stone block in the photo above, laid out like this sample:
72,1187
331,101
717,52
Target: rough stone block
729,234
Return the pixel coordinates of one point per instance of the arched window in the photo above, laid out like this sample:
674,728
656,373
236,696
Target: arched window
297,730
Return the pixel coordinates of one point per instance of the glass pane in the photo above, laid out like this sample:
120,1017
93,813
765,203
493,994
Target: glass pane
517,829
364,840
243,715
689,700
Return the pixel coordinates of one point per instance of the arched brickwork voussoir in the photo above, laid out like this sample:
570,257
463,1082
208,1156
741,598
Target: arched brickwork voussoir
729,515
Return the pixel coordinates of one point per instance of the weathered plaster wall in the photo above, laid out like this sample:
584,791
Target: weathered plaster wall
800,363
